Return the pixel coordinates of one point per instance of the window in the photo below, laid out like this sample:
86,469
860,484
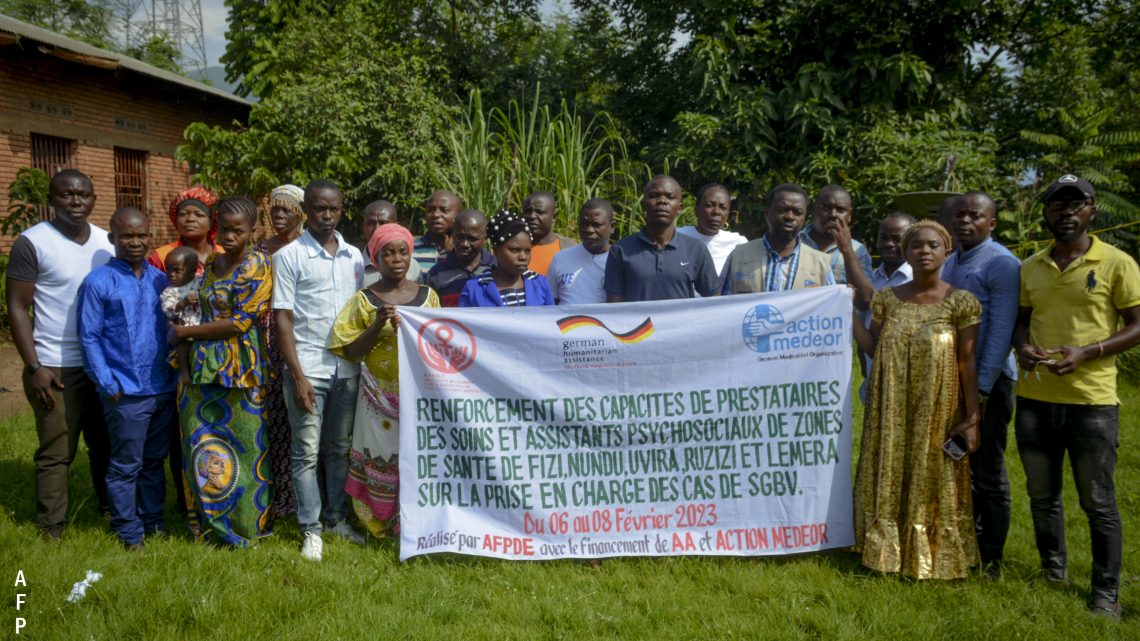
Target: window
130,178
51,155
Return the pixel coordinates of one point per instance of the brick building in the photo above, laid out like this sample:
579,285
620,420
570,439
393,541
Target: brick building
68,104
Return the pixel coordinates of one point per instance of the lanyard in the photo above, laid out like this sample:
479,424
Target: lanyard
774,267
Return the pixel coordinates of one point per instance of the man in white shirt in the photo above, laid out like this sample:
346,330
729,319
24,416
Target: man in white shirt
47,264
577,273
714,204
313,278
891,272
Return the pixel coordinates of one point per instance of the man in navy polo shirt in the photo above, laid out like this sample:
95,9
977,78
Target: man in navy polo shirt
656,263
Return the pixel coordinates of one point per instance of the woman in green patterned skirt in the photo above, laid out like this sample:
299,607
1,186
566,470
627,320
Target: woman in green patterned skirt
220,408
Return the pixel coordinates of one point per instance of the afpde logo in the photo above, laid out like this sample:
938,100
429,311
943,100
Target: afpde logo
446,345
764,330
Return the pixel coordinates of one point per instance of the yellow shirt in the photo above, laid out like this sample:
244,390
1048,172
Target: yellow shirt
1078,306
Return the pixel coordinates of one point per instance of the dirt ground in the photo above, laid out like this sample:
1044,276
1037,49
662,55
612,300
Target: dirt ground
12,399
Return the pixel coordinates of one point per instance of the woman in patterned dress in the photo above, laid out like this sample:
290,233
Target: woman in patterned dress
913,512
365,331
287,218
221,405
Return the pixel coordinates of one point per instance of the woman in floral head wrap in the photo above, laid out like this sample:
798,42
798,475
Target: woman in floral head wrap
365,331
191,212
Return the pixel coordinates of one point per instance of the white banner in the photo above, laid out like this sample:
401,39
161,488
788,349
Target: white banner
708,426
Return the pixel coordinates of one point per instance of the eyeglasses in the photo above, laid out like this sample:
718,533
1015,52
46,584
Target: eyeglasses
1059,206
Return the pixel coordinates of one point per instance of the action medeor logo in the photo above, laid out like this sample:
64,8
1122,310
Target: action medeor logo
759,324
446,345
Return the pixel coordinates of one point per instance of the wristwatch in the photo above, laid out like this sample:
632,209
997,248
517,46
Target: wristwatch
32,367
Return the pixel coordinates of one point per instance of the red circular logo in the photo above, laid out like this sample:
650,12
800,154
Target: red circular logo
446,345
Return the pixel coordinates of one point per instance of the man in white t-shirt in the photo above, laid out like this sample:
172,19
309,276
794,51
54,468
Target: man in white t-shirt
47,264
713,206
576,274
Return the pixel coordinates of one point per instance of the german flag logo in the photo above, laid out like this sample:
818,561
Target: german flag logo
636,335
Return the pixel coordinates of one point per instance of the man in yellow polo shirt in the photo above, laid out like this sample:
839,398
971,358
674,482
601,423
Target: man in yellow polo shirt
1074,296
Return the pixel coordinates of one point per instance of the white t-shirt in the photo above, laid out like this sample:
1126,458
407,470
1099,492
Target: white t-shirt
576,276
720,246
57,265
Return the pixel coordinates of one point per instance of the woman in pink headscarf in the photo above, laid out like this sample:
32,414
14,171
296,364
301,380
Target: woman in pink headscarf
192,214
365,331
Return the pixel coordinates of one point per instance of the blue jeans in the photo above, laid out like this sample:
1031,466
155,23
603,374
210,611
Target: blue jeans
1045,431
139,429
324,437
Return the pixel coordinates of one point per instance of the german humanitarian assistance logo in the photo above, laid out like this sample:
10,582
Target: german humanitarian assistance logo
635,335
446,345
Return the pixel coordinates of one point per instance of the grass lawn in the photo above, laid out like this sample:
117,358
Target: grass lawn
177,589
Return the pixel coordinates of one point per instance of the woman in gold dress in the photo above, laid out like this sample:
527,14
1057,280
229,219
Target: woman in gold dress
913,513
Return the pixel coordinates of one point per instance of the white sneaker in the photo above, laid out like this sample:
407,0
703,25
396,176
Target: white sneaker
312,546
345,531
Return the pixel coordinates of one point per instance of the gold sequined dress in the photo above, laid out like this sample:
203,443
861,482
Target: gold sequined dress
913,513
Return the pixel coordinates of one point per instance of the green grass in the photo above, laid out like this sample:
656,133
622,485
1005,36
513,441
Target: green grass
177,589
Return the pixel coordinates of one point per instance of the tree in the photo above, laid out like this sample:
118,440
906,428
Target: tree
86,20
371,122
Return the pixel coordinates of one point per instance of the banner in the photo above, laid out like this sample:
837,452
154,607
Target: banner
717,426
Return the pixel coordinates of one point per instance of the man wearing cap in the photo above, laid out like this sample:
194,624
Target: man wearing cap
1079,307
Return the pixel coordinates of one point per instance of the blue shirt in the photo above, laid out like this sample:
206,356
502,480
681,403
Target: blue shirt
991,273
482,292
122,330
638,270
838,269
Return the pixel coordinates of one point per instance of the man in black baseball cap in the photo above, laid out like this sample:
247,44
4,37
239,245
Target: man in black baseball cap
1079,308
1068,182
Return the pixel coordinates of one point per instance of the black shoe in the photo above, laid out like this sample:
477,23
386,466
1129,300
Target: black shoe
1102,607
135,547
52,533
992,570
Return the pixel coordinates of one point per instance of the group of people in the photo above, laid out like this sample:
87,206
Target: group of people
277,361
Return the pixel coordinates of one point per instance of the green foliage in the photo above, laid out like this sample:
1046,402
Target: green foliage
27,195
94,22
159,51
370,122
497,158
88,20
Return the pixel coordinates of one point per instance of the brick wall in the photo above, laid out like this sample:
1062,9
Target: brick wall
100,109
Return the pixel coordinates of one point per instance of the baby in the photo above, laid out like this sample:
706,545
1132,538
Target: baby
180,299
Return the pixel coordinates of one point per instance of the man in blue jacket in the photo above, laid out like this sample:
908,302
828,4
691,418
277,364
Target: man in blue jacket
122,332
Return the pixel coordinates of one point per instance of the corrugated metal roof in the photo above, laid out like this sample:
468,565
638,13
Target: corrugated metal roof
54,40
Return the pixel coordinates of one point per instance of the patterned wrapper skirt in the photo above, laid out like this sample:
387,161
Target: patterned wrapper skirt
225,454
374,467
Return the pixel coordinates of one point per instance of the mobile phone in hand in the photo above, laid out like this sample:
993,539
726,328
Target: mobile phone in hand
955,447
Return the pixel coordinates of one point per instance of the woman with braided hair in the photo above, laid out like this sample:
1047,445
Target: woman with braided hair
913,512
192,216
221,409
509,282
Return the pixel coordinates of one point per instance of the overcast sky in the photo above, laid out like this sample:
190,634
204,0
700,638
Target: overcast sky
214,25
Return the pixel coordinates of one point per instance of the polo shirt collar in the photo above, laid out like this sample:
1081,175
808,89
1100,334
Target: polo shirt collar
645,239
1095,253
315,248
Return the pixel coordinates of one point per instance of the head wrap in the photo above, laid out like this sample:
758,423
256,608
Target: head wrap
926,224
385,234
504,226
203,198
290,197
